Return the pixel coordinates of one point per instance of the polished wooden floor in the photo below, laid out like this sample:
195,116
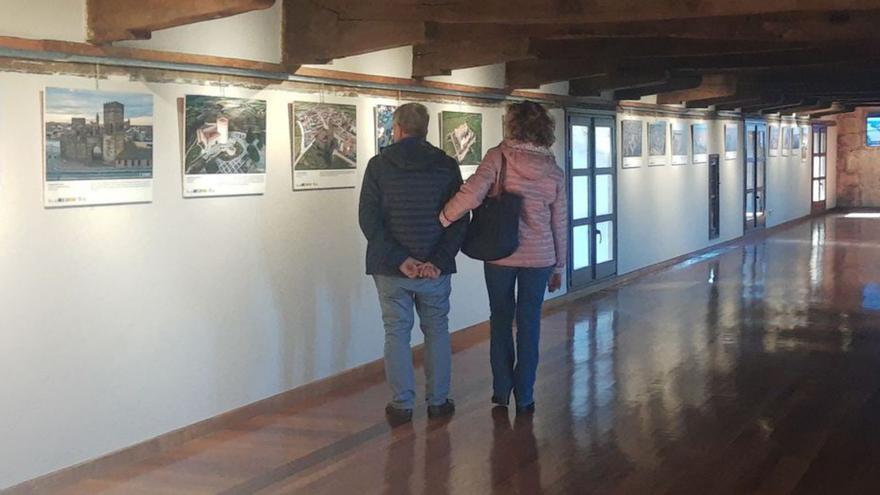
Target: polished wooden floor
753,369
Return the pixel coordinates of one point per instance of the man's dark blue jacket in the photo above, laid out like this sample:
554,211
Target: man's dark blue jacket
405,188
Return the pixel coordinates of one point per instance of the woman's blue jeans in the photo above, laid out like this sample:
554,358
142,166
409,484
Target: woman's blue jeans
515,294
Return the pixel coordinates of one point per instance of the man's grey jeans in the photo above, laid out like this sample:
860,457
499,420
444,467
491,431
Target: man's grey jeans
397,296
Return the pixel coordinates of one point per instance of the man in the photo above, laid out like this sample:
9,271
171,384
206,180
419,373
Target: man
411,257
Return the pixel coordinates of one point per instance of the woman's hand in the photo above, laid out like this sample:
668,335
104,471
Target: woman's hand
555,282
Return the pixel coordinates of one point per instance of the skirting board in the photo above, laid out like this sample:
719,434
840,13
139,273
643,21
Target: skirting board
313,393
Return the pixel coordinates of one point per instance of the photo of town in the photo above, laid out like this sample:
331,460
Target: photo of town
224,135
700,139
325,136
657,138
631,138
731,138
384,126
97,135
462,136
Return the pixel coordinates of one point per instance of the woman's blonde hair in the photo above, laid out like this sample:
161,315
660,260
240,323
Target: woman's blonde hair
530,123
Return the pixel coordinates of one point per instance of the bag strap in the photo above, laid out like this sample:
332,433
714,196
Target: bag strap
498,189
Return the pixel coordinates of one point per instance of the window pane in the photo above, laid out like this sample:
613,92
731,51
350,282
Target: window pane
603,147
823,167
822,190
824,141
762,149
580,197
760,168
817,142
750,207
750,148
750,175
604,242
816,191
604,195
817,166
581,247
580,147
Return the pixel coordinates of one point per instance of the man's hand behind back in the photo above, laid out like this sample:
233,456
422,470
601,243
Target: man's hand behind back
429,270
411,267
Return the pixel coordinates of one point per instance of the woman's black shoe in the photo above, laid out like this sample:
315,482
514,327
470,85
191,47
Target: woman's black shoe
529,409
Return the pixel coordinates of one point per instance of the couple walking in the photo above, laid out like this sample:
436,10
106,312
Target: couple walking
414,213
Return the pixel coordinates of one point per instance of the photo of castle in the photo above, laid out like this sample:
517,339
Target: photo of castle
98,135
225,135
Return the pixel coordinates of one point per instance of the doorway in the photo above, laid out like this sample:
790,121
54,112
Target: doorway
592,189
755,190
820,168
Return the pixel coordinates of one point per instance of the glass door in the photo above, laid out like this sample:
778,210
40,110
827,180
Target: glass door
592,204
755,175
820,167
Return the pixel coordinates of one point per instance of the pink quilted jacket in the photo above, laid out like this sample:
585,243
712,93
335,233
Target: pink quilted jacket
533,174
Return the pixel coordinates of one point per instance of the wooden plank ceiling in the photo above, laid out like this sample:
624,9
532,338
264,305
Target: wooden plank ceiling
764,56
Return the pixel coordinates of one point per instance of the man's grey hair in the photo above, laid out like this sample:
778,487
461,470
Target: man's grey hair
413,119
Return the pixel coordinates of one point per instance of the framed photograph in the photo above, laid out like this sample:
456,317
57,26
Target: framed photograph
678,135
786,141
98,147
657,143
774,140
731,141
700,143
462,136
324,145
384,126
224,146
631,143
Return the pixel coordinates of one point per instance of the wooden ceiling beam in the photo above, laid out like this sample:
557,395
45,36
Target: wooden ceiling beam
116,20
533,73
712,86
593,86
577,11
559,49
436,58
677,83
808,27
312,34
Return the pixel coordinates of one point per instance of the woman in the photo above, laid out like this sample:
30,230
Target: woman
537,263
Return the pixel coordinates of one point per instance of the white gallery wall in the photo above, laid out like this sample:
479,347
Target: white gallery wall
664,210
788,183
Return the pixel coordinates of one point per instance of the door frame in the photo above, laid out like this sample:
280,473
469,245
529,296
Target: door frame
596,273
816,151
758,125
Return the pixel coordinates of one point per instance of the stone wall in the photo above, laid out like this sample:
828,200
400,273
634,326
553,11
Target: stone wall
858,166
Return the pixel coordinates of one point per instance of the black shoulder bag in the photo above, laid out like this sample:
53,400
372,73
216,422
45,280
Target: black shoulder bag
494,230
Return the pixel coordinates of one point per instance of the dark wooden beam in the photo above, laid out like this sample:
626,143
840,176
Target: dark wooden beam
810,27
315,35
115,20
533,73
593,86
577,11
712,86
558,49
673,84
430,59
781,107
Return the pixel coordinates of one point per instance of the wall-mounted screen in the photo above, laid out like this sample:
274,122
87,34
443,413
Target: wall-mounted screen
873,130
